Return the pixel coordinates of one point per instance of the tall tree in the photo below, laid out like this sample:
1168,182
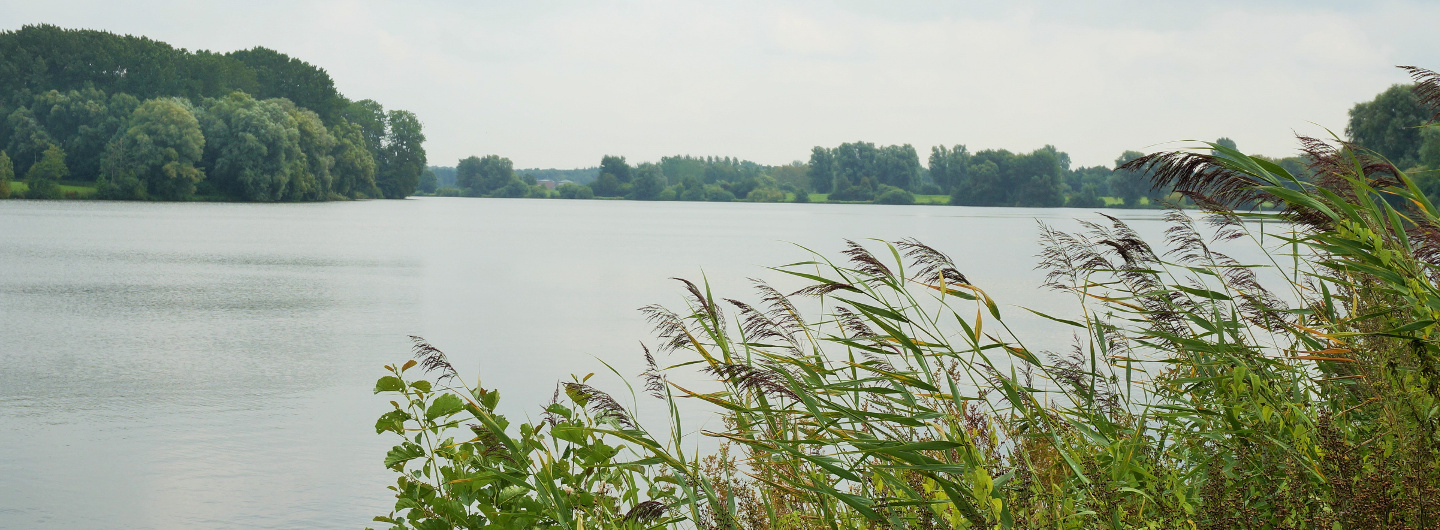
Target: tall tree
370,117
7,174
649,180
28,139
1390,125
281,76
1126,184
157,153
479,177
44,176
310,176
251,147
615,165
822,170
354,170
948,166
404,155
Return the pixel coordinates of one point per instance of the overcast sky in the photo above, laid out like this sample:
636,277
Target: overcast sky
558,84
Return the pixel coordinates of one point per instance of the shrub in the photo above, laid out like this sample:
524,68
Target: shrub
765,195
895,196
575,191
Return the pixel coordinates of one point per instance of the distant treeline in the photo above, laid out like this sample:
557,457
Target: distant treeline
850,172
134,118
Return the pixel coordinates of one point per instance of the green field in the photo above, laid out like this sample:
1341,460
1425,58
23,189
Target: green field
79,190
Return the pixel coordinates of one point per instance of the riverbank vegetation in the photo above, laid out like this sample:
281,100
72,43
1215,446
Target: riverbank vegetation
863,172
138,119
1298,391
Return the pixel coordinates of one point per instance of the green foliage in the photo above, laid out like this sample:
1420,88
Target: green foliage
428,182
1390,125
615,165
354,169
28,139
403,157
1089,197
155,155
310,175
1128,185
894,165
573,470
575,191
252,147
647,183
608,185
7,175
43,178
280,76
765,195
77,89
895,196
480,177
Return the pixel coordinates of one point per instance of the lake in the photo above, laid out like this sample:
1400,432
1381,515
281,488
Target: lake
210,365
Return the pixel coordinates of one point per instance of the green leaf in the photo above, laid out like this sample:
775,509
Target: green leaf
422,385
570,433
1205,293
389,383
444,405
393,421
1413,326
401,454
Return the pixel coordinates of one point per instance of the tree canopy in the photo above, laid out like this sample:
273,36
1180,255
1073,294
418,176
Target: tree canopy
270,127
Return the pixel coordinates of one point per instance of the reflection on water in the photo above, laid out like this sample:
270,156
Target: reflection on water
208,365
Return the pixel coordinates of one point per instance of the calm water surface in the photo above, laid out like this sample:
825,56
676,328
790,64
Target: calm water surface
209,365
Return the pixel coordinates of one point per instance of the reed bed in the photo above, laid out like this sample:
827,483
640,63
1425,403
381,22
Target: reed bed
1200,392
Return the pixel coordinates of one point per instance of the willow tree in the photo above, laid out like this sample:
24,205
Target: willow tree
252,146
155,156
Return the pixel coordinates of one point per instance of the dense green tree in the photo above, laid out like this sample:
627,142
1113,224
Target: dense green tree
77,89
44,176
310,174
1129,186
1039,179
403,157
156,154
370,117
280,76
1390,125
354,170
479,177
1225,142
1088,197
1429,152
898,166
575,191
893,195
647,183
949,166
607,185
28,139
615,165
795,174
7,175
82,122
822,170
42,58
984,183
251,147
428,182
